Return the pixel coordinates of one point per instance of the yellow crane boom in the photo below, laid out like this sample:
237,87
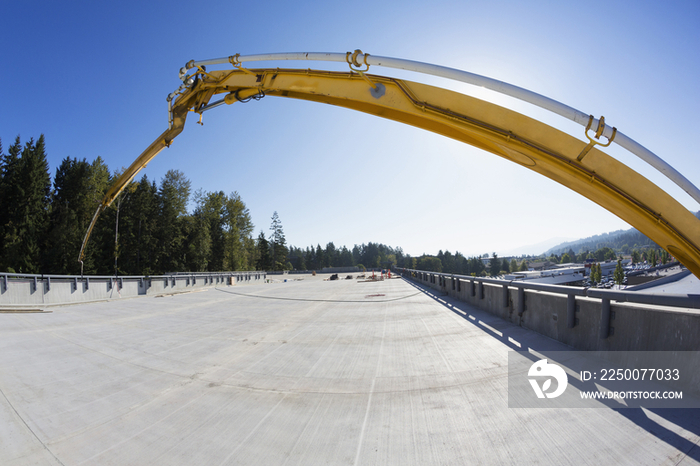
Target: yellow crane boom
561,157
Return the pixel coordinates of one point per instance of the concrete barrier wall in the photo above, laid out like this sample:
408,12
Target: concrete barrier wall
630,327
23,291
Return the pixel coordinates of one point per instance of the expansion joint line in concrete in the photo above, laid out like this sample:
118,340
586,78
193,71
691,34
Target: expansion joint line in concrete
317,300
29,428
371,392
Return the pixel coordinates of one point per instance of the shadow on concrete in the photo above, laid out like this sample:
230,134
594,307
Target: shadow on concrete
520,339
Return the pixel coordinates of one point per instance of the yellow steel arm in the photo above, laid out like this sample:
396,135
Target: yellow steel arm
527,142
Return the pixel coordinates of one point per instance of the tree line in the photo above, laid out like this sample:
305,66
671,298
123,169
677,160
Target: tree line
147,229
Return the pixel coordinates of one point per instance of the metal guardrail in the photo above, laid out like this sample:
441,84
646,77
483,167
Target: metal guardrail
145,281
605,296
672,300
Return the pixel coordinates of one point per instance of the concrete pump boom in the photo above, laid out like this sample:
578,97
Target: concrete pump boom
563,158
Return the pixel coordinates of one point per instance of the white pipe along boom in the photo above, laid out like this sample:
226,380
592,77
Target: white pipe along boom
359,59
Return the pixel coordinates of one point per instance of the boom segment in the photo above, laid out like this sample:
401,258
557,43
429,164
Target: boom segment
525,141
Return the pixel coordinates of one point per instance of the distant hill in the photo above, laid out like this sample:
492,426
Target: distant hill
615,240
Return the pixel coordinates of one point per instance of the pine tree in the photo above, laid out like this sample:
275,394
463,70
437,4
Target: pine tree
213,211
198,237
9,207
26,187
173,197
138,222
264,261
70,214
10,199
278,243
494,265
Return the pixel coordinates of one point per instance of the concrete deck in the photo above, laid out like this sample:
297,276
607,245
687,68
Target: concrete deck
335,372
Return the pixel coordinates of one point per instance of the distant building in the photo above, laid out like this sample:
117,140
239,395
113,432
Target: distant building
555,276
538,266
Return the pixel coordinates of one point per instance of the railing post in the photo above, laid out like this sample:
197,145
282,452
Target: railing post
604,318
571,311
521,301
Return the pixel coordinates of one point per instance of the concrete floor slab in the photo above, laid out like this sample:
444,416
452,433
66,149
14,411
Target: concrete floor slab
303,372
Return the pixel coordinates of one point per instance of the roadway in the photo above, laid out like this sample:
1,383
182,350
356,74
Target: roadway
302,372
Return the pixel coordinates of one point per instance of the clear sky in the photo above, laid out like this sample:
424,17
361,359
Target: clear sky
93,78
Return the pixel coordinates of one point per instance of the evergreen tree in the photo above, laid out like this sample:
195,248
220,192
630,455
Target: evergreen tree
26,189
345,257
198,237
278,243
264,261
213,211
370,255
296,257
102,238
310,255
77,190
332,255
319,257
10,200
138,225
356,256
448,262
173,196
494,265
70,217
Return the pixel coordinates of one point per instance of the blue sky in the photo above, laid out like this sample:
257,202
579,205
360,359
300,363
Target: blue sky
93,77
